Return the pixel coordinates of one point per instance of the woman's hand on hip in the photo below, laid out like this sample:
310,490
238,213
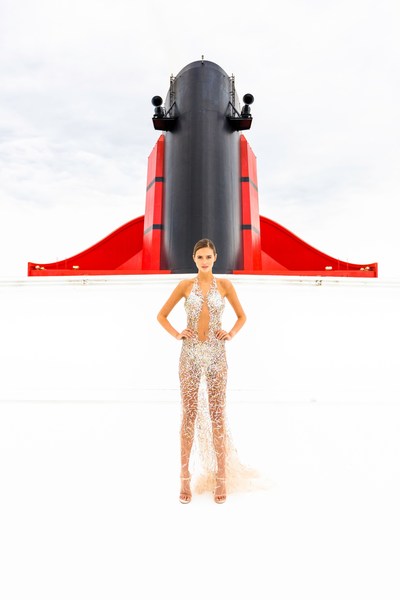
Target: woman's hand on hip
223,335
186,333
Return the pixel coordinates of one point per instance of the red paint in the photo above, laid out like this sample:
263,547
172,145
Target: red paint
283,253
126,251
250,211
108,255
268,248
153,216
120,253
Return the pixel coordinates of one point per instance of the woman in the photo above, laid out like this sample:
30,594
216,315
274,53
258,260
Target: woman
203,375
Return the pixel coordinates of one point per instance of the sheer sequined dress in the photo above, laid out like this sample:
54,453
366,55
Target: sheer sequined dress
203,373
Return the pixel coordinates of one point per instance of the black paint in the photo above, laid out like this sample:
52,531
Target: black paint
202,171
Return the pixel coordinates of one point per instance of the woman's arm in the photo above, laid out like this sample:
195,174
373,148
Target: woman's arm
237,307
177,294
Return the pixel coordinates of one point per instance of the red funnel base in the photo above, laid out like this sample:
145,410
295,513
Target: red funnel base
282,253
267,248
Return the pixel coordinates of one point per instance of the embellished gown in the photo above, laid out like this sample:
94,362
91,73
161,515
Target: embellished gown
203,373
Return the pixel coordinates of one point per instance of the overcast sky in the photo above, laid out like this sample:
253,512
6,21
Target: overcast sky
77,77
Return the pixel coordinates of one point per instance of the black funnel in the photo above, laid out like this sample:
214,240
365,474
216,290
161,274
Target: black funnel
202,170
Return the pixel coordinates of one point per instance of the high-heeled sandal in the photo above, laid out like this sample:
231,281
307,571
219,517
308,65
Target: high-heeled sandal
219,498
185,497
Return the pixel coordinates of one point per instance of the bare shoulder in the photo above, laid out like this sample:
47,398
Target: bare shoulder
185,285
228,291
225,284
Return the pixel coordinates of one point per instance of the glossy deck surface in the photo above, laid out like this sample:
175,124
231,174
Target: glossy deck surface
89,434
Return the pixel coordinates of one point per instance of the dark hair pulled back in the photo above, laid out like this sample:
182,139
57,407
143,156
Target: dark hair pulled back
204,243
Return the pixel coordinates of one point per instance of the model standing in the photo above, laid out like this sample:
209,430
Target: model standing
203,376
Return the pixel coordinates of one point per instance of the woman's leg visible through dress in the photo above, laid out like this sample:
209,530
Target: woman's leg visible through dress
216,384
189,377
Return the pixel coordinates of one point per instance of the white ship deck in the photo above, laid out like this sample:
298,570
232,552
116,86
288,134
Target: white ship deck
89,434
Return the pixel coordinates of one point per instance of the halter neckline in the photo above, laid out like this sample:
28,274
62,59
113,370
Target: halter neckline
212,285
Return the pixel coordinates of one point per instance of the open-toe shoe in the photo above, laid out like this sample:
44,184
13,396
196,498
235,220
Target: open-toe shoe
185,497
219,498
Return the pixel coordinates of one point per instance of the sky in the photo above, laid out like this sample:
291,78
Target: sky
76,82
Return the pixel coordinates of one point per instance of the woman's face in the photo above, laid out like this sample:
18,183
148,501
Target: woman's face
204,259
